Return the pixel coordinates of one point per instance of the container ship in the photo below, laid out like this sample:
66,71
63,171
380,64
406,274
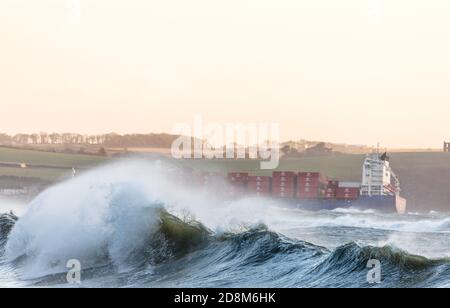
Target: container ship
378,191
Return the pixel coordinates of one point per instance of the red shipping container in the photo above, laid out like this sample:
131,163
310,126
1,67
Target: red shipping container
259,179
285,174
312,179
309,184
277,188
333,184
309,174
238,176
283,189
348,190
283,184
329,196
308,189
307,195
259,185
308,180
347,193
330,190
283,179
283,194
256,188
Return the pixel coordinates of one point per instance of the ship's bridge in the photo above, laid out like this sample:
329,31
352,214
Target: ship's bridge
376,177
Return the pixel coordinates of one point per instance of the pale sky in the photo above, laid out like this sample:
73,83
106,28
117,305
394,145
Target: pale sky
353,71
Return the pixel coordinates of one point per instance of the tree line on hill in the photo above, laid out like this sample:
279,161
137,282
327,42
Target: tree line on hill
106,140
320,149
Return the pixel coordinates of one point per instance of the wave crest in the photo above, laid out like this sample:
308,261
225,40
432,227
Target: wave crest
7,222
359,256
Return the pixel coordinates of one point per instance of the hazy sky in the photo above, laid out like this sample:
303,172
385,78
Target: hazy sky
354,71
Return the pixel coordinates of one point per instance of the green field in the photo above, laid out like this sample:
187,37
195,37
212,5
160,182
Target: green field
47,174
49,159
44,165
339,166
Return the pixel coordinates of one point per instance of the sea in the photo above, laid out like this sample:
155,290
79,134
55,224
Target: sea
134,224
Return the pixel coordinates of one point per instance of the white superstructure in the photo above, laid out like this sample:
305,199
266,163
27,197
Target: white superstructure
377,176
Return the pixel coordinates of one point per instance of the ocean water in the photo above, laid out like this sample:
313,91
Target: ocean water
132,224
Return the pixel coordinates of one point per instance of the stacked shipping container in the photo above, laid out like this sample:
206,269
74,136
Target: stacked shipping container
330,190
283,184
311,185
260,185
348,191
302,185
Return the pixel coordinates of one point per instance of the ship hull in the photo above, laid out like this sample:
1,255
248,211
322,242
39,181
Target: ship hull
383,204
